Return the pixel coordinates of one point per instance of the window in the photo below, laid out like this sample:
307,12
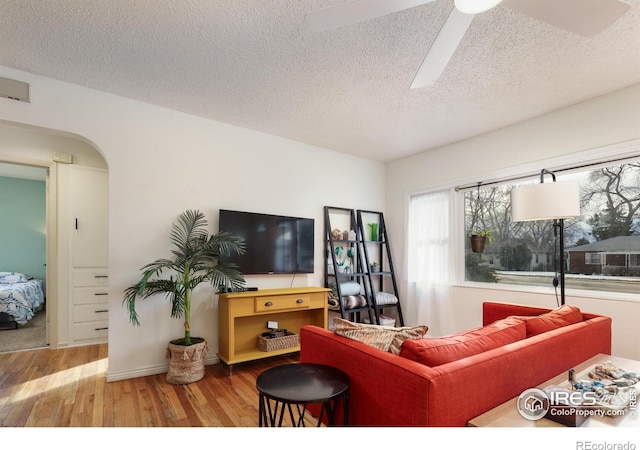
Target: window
604,242
593,258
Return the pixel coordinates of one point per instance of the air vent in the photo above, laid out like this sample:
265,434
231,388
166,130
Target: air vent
15,90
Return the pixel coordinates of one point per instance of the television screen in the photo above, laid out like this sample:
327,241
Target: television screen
274,244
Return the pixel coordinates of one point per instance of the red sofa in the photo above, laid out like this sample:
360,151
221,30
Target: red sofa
391,390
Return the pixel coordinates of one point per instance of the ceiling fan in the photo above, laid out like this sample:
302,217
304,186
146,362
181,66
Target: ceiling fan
584,17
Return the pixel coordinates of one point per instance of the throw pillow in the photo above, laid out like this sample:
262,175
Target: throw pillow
437,351
559,317
388,339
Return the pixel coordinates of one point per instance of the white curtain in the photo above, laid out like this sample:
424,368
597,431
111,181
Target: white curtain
429,263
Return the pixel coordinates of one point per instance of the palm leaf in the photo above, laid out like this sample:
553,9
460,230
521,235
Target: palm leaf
195,260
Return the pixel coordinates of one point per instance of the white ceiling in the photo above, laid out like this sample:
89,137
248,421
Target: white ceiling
256,64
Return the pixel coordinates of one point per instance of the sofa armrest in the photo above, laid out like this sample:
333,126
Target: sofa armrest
385,390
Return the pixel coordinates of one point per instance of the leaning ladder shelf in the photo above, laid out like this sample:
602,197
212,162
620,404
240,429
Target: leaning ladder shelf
340,278
376,248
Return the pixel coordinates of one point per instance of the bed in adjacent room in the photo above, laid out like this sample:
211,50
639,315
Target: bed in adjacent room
21,296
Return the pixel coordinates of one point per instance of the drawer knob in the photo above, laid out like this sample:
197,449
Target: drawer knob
101,311
100,329
268,304
299,301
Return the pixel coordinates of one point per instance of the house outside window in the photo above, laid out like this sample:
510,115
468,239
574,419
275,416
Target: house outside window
603,242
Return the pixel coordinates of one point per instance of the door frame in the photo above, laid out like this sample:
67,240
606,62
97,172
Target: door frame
51,247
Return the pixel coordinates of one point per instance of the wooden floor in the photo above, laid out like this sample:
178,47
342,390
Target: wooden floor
67,388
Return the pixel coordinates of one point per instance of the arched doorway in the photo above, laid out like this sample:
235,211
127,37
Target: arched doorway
31,149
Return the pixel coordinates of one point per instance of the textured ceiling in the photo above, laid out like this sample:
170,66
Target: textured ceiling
255,64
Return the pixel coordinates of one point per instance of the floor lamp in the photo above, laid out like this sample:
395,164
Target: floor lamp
547,201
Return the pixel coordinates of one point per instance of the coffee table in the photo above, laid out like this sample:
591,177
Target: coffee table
301,384
507,414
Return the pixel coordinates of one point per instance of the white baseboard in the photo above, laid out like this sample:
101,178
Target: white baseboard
144,372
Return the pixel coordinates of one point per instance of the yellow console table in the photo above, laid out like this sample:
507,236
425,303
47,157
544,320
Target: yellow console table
243,316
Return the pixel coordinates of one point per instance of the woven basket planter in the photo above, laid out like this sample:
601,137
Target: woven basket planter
186,364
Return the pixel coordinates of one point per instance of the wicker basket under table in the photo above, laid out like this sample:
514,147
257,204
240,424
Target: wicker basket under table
281,341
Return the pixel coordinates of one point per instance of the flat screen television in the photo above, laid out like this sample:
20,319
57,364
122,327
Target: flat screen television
274,244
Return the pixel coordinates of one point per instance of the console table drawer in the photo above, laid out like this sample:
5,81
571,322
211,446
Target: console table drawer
282,302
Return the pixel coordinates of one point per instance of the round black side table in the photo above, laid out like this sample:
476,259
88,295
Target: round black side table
301,384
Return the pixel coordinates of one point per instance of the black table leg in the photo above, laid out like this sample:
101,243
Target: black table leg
261,411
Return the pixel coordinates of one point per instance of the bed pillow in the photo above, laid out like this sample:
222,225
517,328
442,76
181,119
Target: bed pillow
13,277
388,339
434,352
559,317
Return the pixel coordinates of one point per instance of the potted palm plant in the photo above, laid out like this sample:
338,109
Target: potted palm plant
479,239
195,260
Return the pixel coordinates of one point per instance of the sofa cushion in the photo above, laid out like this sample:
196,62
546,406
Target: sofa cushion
437,351
559,317
388,339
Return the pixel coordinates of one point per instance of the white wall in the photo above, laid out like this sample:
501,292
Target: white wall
600,122
162,162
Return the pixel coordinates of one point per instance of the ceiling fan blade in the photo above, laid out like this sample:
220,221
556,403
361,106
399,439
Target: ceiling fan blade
442,48
584,17
356,11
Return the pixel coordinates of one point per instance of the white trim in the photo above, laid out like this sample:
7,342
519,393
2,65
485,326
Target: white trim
51,240
600,295
147,371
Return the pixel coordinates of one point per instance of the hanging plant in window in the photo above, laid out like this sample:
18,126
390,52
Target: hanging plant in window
479,238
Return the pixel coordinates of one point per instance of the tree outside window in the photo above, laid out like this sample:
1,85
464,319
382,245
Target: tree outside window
526,253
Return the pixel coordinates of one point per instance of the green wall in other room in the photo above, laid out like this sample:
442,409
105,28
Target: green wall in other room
23,226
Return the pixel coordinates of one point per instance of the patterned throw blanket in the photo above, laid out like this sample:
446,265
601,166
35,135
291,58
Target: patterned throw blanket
21,299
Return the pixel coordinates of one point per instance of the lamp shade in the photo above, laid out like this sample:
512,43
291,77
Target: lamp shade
545,201
475,6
